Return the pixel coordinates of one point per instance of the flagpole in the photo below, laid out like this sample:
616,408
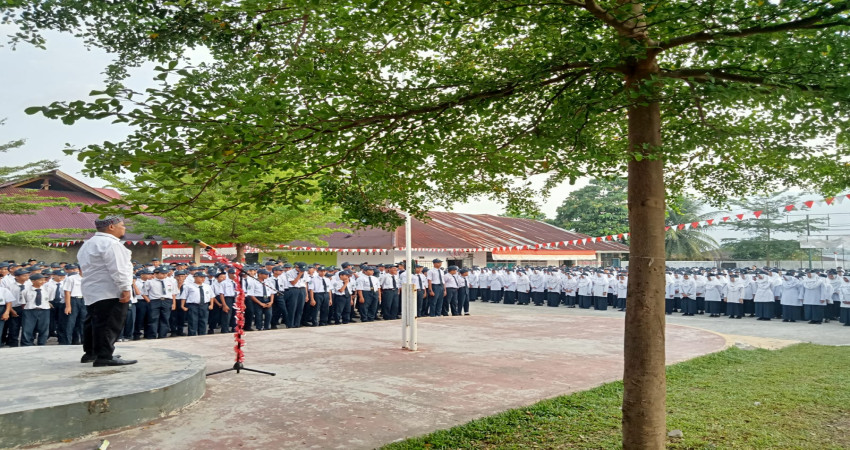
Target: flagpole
409,306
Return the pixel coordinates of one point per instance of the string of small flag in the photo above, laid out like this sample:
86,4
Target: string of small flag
720,219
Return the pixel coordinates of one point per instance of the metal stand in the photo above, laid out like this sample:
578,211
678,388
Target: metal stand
238,367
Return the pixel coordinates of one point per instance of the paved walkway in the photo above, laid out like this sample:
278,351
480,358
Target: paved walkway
832,333
352,387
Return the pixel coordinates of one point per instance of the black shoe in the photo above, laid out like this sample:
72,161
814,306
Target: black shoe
115,361
137,338
87,358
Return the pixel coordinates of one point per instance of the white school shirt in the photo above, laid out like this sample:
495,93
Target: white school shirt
108,268
522,283
338,287
156,289
764,290
420,281
74,284
713,290
29,293
584,285
6,296
622,287
789,291
387,281
320,285
450,281
735,290
192,293
291,275
812,290
436,276
844,292
368,283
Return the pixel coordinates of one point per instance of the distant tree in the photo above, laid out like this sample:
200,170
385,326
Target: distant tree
770,222
520,214
27,202
687,244
598,209
754,249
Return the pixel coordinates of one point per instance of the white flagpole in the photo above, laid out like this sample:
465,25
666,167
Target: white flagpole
409,305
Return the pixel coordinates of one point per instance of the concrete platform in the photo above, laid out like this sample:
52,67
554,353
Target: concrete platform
49,396
352,387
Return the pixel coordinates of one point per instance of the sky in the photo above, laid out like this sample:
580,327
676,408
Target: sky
67,71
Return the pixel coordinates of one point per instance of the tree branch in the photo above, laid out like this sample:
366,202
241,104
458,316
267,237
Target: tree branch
707,75
812,22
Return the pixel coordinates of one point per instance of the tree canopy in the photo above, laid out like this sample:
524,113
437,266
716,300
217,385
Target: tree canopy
366,96
385,103
598,209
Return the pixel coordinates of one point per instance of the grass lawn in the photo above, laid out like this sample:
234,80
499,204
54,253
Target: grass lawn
797,397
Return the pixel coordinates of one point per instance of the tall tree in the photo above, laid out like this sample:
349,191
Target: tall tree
772,221
25,201
598,209
687,244
416,103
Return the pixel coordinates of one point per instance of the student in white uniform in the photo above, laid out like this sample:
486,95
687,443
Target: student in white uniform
790,297
36,310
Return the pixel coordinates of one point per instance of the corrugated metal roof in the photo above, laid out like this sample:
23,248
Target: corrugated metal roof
459,230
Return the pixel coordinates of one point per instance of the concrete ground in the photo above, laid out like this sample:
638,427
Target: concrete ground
832,333
351,386
48,395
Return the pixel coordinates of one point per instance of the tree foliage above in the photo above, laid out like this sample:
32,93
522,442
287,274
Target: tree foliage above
421,104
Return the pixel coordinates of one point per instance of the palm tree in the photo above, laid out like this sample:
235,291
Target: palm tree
688,244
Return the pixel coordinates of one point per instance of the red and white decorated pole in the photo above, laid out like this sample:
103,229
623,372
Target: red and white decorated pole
239,333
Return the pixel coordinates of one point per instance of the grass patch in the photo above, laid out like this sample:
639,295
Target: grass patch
796,397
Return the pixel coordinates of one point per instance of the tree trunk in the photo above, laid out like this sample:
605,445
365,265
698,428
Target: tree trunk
644,378
240,253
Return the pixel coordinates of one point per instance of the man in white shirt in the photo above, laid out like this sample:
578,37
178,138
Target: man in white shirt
16,285
451,291
463,291
342,289
74,312
295,294
6,299
320,297
107,287
278,279
195,301
390,293
436,288
368,295
160,292
36,313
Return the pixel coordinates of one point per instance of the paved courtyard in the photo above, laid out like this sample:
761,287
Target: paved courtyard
353,387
